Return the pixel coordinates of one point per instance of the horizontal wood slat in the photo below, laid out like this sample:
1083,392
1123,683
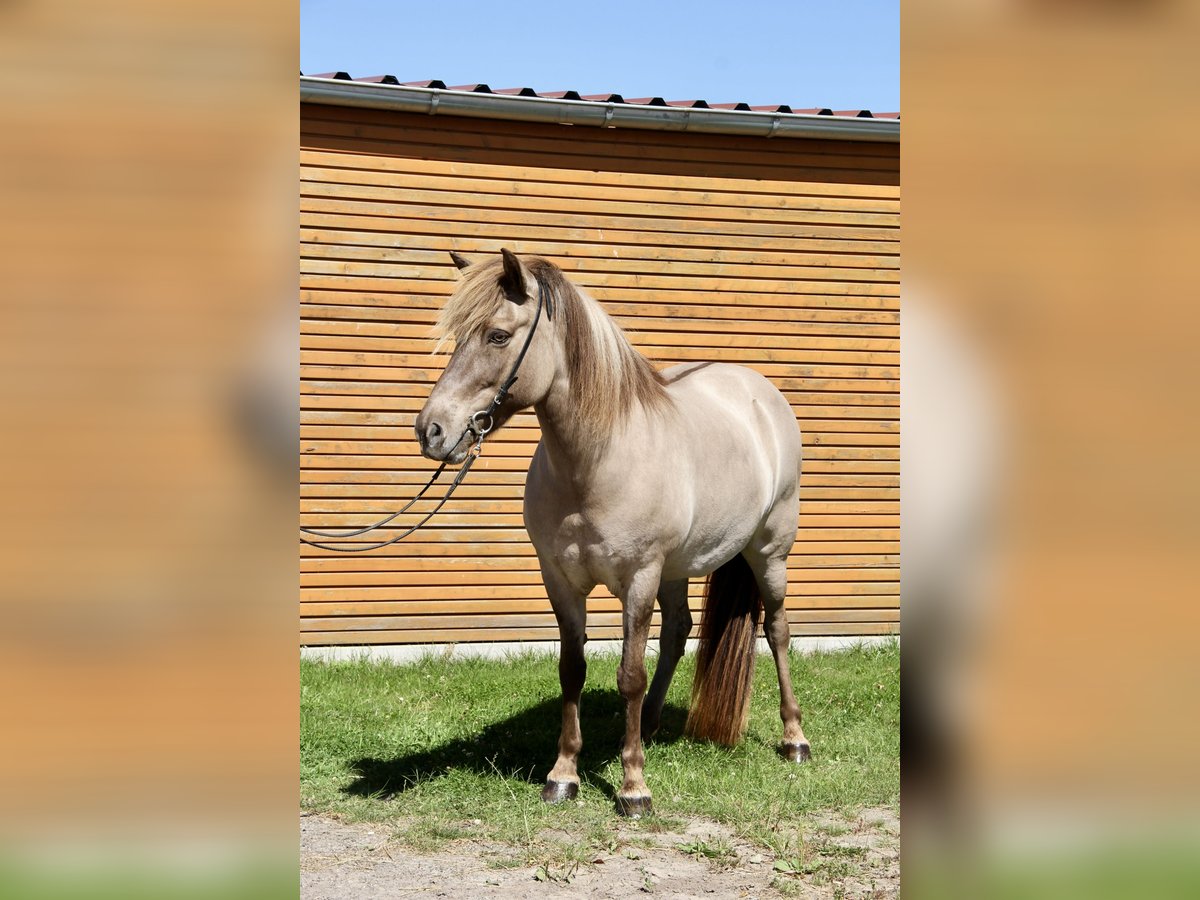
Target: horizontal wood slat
355,241
779,255
524,570
488,554
609,177
483,533
816,581
641,330
815,293
699,231
720,217
317,498
490,632
546,620
419,308
602,610
664,196
586,237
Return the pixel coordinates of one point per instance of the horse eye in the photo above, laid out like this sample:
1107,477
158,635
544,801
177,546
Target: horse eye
499,338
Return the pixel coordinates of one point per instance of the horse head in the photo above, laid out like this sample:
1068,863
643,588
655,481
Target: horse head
504,359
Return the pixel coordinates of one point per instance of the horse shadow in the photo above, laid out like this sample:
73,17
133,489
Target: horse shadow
522,746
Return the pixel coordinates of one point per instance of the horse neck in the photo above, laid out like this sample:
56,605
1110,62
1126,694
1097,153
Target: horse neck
575,442
572,447
576,446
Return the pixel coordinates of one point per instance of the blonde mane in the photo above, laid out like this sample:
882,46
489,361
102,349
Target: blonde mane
607,376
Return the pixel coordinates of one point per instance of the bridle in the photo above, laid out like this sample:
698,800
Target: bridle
475,426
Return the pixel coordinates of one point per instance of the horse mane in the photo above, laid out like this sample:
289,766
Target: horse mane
607,375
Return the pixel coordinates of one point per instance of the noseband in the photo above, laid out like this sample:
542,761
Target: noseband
475,426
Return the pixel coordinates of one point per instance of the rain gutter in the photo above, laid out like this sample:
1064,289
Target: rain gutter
599,114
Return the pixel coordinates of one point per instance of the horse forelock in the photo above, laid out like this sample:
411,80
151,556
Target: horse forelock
473,304
607,376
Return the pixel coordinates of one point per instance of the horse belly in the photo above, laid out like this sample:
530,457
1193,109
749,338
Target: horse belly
728,503
709,545
696,563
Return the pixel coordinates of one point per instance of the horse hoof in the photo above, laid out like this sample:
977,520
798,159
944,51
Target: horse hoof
558,791
634,807
796,753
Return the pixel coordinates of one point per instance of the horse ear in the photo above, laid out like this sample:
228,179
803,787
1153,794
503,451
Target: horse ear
515,279
461,261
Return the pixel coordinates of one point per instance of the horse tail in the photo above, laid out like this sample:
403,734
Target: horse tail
725,658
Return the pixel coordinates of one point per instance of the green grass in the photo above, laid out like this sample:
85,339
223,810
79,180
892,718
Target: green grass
448,749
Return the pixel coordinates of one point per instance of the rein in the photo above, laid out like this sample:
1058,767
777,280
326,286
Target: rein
474,427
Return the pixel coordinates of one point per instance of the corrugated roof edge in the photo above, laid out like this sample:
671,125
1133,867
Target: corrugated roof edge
480,101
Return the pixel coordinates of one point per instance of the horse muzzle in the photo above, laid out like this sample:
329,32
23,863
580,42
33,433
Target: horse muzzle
441,444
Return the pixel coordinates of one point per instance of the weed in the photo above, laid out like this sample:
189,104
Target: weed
833,829
831,849
504,862
784,843
719,854
429,836
547,871
659,824
789,887
648,883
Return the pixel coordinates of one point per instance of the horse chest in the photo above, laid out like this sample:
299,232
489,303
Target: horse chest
588,554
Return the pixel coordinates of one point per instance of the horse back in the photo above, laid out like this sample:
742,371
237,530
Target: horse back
736,412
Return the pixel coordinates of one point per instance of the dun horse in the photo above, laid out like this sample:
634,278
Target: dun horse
642,480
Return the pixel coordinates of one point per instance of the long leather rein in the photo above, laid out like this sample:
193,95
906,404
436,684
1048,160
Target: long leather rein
479,424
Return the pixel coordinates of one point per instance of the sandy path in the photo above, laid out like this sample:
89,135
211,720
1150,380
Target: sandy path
343,861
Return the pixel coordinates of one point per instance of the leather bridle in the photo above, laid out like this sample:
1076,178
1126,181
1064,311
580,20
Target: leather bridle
475,426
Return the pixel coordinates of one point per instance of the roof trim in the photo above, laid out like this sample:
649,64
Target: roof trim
598,113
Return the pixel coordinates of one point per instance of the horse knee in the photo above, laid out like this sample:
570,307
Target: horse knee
572,672
631,682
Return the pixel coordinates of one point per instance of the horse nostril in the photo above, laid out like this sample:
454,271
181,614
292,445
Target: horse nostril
428,435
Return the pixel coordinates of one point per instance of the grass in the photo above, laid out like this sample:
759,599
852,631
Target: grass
452,748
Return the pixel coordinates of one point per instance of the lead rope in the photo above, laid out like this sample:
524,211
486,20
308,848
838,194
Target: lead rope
474,426
472,455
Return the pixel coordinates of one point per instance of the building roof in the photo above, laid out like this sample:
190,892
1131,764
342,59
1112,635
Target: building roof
608,97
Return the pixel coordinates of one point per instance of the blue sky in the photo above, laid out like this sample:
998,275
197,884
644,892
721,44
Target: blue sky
843,54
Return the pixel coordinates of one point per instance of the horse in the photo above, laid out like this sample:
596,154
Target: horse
643,479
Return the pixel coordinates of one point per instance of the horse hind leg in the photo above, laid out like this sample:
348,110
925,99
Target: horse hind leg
771,574
676,626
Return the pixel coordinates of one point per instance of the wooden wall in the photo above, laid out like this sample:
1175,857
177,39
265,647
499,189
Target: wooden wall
779,254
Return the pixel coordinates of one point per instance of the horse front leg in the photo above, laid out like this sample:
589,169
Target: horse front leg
570,609
637,603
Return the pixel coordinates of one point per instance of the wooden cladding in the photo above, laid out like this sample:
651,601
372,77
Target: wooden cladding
782,255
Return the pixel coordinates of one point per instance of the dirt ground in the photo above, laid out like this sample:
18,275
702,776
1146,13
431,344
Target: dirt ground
852,858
